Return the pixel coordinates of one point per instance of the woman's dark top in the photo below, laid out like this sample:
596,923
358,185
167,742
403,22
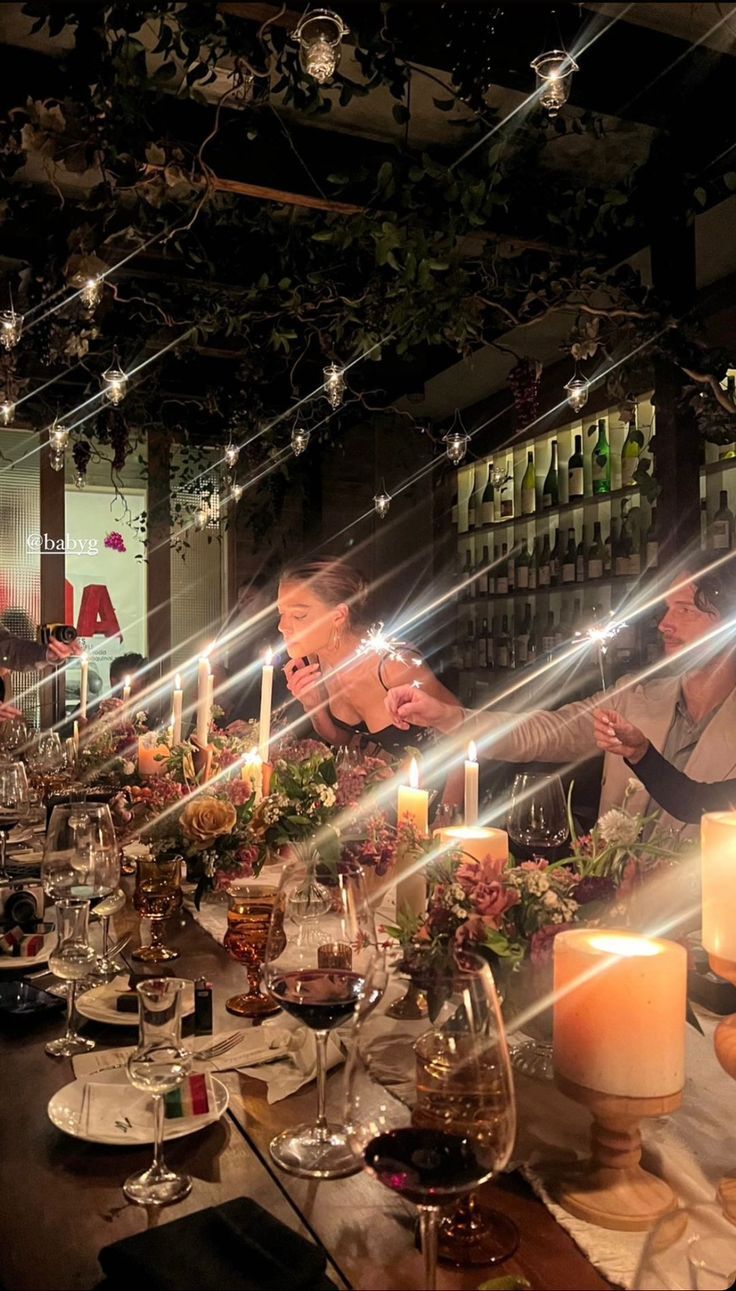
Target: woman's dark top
677,793
390,738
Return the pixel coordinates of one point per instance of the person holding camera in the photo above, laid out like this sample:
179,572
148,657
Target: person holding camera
19,655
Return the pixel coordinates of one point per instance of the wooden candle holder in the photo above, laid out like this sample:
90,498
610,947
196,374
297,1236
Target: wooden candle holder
724,1043
613,1189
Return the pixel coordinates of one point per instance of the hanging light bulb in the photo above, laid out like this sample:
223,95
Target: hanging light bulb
232,453
237,492
201,518
456,445
318,35
498,476
300,439
58,436
11,326
90,293
114,382
334,384
578,390
554,78
79,480
382,502
7,410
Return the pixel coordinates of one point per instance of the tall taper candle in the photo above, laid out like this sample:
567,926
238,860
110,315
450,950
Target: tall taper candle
126,690
203,700
471,786
178,701
264,721
83,685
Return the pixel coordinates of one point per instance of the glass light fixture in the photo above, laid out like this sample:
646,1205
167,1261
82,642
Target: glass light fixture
7,410
334,384
554,78
232,453
79,480
300,439
201,518
498,476
382,502
456,445
578,390
58,440
237,492
11,326
90,292
114,382
319,34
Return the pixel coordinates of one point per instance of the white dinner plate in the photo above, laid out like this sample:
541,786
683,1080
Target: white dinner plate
65,1108
23,962
24,855
98,1005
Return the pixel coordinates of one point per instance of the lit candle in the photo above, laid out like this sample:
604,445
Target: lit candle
151,757
619,1012
476,841
203,700
177,712
83,685
264,721
471,786
126,690
718,837
252,771
75,738
413,802
210,695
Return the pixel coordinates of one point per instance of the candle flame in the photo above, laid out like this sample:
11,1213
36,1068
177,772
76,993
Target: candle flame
83,657
252,757
414,774
127,681
177,683
472,752
268,657
625,946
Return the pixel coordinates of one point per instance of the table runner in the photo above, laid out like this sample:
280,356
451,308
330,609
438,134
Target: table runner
692,1149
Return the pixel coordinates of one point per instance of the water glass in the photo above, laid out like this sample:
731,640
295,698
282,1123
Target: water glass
159,1065
537,819
71,959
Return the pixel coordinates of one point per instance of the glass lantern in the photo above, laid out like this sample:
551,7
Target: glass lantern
319,36
554,78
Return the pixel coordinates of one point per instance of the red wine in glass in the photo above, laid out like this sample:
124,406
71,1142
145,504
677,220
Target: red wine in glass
321,998
428,1167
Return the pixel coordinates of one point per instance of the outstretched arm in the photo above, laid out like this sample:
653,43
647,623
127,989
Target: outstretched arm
677,793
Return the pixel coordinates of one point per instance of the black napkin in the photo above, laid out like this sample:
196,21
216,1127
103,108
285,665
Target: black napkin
238,1246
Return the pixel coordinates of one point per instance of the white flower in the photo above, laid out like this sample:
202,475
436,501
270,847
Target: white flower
328,796
632,786
128,767
550,899
619,828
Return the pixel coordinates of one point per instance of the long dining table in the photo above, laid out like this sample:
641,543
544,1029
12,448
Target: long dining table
63,1199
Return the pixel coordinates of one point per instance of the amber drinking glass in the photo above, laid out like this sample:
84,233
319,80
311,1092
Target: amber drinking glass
157,896
249,913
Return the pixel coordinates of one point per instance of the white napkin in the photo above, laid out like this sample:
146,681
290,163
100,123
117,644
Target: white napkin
112,1110
257,1046
299,1065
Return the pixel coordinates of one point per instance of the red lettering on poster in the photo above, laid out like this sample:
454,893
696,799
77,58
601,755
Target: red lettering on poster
96,613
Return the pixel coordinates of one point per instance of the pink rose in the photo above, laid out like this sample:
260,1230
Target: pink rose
492,900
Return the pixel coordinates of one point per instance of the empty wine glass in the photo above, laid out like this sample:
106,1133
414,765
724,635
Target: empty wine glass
435,1139
46,753
71,959
15,804
692,1246
111,904
537,818
13,737
158,1065
321,944
81,855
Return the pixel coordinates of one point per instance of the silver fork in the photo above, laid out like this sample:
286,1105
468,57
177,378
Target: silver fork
218,1050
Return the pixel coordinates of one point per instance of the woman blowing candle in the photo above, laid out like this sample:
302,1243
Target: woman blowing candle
681,796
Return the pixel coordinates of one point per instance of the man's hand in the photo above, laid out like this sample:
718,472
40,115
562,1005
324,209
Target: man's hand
411,706
59,651
7,712
615,735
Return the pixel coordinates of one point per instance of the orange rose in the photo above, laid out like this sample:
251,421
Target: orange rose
205,819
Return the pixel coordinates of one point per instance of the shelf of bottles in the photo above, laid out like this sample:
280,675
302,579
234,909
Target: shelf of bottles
553,550
718,489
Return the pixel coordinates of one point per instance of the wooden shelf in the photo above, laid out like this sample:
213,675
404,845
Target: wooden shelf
522,593
565,508
712,468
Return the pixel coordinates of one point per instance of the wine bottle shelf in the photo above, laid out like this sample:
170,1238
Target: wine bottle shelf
566,508
522,593
717,468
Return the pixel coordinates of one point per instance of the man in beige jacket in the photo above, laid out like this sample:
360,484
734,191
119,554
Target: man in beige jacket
690,718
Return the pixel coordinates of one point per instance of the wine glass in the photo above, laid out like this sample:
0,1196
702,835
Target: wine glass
111,904
46,753
321,944
435,1138
250,909
13,737
692,1246
159,1064
81,855
71,959
15,803
157,895
537,819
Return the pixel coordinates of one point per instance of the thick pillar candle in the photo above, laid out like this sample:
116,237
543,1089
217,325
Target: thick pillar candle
477,842
264,721
413,802
177,708
203,700
718,836
151,757
83,684
471,786
619,1012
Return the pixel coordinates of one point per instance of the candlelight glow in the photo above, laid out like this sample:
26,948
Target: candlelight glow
177,682
127,681
472,752
414,774
611,944
268,657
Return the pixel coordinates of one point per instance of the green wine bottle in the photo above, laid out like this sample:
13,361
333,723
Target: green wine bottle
602,462
550,490
630,454
576,472
529,487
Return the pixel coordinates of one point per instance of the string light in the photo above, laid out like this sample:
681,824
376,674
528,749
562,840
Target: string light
114,382
578,390
554,78
456,445
319,35
232,453
498,476
11,327
7,410
237,492
201,518
58,440
334,384
382,502
300,439
90,293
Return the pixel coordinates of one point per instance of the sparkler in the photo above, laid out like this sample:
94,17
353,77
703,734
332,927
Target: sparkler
601,636
376,641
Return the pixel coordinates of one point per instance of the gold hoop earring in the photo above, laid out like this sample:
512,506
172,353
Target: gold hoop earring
335,638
